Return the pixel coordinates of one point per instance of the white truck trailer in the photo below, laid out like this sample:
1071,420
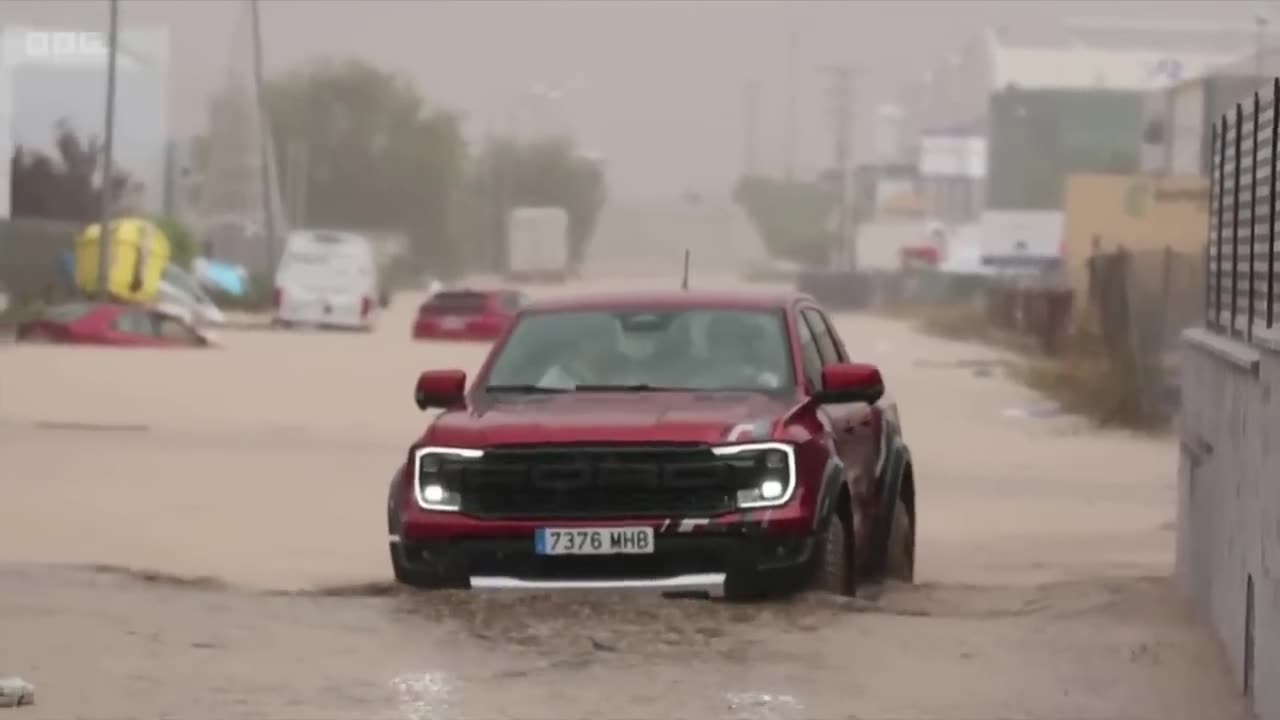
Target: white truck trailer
538,244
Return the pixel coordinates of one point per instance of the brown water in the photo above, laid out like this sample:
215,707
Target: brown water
128,476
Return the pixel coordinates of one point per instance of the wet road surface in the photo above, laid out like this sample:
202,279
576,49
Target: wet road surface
1044,554
109,644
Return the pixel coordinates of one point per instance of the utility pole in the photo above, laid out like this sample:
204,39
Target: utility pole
789,130
751,104
264,127
104,232
842,115
1261,44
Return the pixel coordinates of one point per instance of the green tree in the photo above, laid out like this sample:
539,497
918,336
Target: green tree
182,244
790,216
61,187
377,157
549,173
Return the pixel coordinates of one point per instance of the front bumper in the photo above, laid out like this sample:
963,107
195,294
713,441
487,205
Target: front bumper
682,562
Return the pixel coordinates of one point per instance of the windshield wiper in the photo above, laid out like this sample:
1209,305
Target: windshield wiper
529,389
633,387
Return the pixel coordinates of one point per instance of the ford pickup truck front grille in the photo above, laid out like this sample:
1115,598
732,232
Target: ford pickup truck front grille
599,481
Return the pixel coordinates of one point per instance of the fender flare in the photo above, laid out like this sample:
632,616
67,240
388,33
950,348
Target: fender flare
393,518
832,482
891,485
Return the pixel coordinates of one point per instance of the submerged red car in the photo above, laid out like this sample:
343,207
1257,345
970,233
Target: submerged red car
684,442
466,314
91,323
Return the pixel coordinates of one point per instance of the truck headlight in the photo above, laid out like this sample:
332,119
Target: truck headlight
431,486
774,467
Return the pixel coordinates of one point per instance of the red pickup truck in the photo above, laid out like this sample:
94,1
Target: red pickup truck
684,442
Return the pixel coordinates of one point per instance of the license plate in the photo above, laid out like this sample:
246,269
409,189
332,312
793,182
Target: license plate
452,323
593,541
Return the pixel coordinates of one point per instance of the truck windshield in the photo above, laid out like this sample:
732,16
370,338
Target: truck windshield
640,349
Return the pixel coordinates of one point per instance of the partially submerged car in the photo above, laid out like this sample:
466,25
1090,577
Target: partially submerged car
683,442
466,314
101,323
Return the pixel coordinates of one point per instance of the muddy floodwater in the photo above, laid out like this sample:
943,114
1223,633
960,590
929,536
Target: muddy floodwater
195,534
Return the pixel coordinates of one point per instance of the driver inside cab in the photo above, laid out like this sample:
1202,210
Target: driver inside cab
738,356
593,357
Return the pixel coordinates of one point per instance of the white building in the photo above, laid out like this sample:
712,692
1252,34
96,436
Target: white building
51,75
1062,99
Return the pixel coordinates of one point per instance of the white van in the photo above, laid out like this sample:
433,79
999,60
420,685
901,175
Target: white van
538,244
327,278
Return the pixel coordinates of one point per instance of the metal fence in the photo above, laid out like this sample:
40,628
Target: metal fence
1242,269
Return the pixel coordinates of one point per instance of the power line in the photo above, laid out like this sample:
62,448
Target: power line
841,99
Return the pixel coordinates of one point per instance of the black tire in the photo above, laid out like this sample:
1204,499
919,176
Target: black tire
833,559
900,550
744,587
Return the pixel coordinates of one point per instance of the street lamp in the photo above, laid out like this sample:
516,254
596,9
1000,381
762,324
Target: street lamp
104,245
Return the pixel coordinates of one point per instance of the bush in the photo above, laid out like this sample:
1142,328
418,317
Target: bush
791,217
182,244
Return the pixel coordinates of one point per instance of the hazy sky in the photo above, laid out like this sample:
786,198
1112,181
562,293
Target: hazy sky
657,88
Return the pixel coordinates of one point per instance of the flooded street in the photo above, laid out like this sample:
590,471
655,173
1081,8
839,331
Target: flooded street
201,535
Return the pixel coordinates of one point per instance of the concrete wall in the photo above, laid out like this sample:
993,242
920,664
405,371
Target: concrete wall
1136,211
1229,500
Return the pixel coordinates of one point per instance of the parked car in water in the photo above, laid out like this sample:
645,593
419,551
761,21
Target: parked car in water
100,323
681,442
327,278
467,314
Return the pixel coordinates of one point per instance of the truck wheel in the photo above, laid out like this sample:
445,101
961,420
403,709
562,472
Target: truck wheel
744,587
833,559
900,553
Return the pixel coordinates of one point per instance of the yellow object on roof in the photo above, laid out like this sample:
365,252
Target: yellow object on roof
138,254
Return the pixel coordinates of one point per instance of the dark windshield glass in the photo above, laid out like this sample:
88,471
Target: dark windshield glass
640,349
67,313
457,302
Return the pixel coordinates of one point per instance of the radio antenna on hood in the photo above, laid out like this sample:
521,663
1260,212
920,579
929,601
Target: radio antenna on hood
684,283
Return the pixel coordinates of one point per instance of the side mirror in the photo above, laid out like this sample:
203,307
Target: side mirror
850,383
440,389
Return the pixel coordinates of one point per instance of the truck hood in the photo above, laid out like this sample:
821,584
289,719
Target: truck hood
609,417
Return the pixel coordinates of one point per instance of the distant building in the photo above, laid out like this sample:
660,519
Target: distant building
952,168
1178,120
1059,100
59,74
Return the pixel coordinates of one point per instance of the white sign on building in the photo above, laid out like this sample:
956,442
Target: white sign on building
962,156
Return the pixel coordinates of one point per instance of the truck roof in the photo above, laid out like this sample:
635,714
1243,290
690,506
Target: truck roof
672,299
